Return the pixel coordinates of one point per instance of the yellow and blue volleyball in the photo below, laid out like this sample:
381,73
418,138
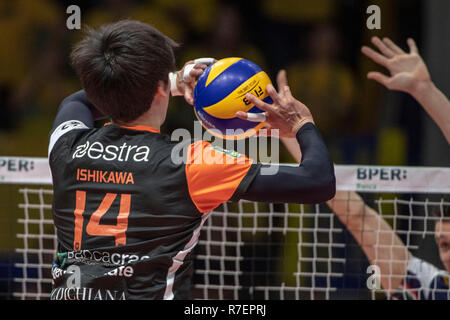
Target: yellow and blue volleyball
220,93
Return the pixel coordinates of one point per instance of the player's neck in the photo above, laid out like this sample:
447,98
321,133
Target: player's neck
153,123
153,118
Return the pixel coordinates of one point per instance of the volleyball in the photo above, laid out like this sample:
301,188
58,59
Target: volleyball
220,93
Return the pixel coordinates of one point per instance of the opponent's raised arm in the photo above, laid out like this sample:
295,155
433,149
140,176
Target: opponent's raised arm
408,73
373,234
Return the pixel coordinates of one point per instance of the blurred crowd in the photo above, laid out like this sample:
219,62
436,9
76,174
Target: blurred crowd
317,42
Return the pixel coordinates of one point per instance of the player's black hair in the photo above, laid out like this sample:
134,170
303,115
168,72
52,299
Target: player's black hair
120,66
442,212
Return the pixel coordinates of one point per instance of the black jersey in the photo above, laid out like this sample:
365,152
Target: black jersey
128,212
127,216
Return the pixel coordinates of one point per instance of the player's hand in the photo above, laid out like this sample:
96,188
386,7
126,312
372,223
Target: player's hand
407,70
286,114
187,77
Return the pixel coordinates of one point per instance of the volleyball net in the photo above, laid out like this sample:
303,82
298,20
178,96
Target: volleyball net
246,250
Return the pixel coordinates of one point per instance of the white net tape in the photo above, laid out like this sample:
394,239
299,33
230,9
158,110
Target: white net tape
253,250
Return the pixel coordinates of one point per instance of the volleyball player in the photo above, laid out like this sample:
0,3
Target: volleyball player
127,217
403,276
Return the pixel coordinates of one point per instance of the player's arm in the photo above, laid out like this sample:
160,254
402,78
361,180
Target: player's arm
215,176
374,235
313,181
78,108
74,113
408,73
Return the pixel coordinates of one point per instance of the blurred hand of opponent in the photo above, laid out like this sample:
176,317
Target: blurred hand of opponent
408,73
407,70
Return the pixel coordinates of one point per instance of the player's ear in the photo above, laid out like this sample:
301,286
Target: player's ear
163,89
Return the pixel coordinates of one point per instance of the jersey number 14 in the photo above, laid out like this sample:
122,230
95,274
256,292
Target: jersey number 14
94,228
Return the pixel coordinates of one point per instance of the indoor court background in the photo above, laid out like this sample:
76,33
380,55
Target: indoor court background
318,43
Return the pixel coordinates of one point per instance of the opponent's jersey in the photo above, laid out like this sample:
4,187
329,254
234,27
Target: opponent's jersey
423,281
128,213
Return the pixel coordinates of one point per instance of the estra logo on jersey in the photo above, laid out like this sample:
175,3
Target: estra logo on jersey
111,152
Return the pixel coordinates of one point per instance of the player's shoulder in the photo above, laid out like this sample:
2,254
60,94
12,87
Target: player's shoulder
64,131
421,273
423,268
205,152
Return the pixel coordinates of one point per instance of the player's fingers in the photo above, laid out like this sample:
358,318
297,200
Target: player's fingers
254,117
273,94
287,93
201,66
268,132
263,132
412,46
259,103
393,46
379,77
206,61
187,72
281,80
189,95
241,115
266,125
382,47
375,56
195,73
274,133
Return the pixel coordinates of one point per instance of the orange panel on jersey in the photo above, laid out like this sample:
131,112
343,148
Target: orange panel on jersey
213,174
